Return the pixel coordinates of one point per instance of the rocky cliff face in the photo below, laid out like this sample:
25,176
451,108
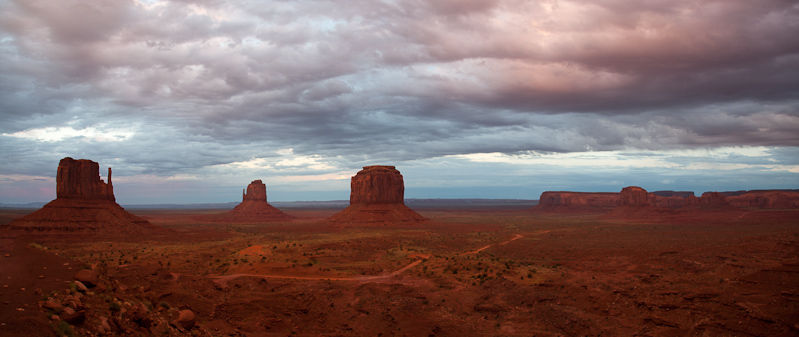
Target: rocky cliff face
559,201
256,191
377,185
376,199
633,196
668,201
713,200
765,199
81,179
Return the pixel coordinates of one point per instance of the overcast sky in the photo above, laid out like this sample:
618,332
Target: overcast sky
189,101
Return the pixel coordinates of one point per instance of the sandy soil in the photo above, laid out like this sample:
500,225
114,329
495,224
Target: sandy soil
485,272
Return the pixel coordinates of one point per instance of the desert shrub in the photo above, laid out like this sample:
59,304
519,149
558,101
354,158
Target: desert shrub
64,329
114,306
164,305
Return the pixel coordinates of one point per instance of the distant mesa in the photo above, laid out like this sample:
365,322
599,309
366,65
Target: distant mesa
84,203
253,208
770,199
377,198
571,202
633,196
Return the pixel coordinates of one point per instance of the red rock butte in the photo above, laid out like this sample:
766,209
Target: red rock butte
84,203
253,208
569,202
377,198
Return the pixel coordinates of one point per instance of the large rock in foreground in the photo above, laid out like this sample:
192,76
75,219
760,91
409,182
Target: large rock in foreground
84,204
377,198
253,208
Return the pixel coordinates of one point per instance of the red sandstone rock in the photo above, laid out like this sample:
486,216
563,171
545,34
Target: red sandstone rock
84,203
81,179
256,191
253,208
377,185
377,198
87,276
667,201
633,196
765,199
559,201
713,200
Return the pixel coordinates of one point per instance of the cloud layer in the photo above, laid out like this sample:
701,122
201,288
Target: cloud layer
187,88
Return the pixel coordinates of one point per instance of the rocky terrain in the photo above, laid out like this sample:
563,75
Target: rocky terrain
253,208
376,199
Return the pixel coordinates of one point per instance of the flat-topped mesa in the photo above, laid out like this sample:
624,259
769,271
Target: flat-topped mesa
633,196
255,191
682,194
376,199
81,179
562,201
377,185
763,198
713,200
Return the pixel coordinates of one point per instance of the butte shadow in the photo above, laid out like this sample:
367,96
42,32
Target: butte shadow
84,204
377,199
253,208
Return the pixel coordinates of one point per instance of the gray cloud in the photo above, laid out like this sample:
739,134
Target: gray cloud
204,83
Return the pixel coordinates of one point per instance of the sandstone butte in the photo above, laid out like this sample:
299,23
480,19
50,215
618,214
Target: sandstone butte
377,198
253,208
84,203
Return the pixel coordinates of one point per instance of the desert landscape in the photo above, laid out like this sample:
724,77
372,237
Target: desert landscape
575,264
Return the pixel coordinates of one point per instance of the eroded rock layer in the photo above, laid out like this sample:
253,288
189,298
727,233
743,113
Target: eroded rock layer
84,203
376,199
560,201
772,199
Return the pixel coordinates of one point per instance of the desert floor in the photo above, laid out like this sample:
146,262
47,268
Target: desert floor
482,271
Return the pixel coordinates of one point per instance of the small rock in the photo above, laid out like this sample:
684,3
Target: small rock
87,276
69,311
55,318
185,320
81,287
51,304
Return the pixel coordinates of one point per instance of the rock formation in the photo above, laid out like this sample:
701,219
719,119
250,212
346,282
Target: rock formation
673,201
253,208
559,201
376,199
84,203
713,200
772,199
633,196
681,194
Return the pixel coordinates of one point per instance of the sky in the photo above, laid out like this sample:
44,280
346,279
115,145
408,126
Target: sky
189,101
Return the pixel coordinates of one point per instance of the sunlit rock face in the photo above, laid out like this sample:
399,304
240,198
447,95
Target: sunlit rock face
376,199
377,185
84,203
633,196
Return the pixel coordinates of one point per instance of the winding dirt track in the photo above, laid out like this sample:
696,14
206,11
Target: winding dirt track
225,278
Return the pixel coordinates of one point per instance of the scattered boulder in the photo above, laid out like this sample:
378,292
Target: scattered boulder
185,320
87,277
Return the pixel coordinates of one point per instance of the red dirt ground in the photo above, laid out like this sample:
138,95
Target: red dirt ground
484,272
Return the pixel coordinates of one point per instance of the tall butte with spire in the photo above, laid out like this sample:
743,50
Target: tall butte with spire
84,203
253,208
377,198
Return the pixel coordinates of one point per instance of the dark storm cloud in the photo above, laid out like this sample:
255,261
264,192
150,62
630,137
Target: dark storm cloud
203,83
